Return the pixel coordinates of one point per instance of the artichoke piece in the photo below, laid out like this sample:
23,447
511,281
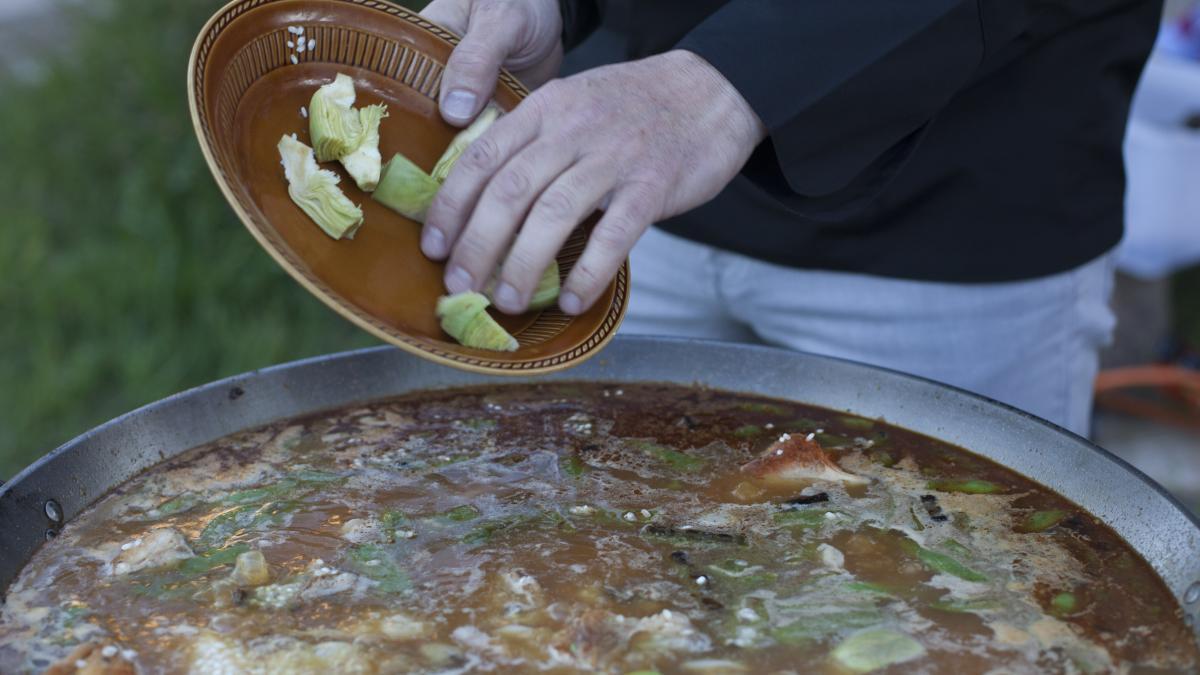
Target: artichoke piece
463,141
876,649
464,317
315,190
335,127
341,132
250,569
546,293
365,163
406,189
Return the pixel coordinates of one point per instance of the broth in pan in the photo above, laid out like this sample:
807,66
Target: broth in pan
587,528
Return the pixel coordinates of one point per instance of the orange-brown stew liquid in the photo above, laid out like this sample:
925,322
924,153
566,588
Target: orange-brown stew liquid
587,528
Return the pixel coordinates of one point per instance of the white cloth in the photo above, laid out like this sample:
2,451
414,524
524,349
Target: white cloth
1032,344
1162,160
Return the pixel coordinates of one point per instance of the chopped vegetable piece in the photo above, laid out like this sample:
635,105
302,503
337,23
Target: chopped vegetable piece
940,562
364,163
748,431
392,519
868,587
883,458
463,140
214,558
820,626
1063,603
802,424
687,534
250,569
978,605
956,548
291,485
316,476
572,466
772,408
373,562
973,486
464,317
876,649
315,191
406,189
182,503
484,532
1040,521
247,517
477,424
832,440
463,513
670,456
334,126
857,423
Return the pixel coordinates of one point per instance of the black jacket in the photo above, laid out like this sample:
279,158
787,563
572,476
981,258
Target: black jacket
949,140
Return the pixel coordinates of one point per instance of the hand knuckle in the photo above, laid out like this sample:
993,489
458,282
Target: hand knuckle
445,204
482,155
511,185
586,276
471,251
557,204
614,236
521,265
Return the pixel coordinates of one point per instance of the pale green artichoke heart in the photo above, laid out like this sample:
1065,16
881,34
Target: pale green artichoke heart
875,649
316,192
406,189
464,317
365,163
349,135
335,127
462,141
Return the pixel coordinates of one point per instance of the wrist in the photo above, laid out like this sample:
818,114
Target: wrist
744,121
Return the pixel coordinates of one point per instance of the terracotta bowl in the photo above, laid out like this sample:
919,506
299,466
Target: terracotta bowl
246,87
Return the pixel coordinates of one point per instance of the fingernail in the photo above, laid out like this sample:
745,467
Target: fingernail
570,303
433,243
459,104
507,297
458,280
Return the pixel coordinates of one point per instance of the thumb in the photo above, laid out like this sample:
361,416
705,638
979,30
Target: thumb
449,14
493,34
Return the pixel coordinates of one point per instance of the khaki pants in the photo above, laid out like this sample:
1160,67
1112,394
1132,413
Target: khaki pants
1032,344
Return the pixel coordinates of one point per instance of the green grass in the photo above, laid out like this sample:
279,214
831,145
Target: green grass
124,276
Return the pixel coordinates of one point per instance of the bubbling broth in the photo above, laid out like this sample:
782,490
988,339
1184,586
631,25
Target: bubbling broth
587,528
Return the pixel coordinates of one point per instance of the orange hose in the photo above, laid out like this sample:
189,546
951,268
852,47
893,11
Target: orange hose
1178,383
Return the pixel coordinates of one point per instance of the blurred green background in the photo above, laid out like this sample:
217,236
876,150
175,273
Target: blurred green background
124,276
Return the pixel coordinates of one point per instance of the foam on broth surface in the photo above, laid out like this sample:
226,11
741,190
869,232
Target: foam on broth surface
584,528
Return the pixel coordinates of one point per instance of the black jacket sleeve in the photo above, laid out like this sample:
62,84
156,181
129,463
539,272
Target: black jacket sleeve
580,18
845,88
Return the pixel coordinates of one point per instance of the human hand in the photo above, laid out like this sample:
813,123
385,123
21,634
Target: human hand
646,140
524,36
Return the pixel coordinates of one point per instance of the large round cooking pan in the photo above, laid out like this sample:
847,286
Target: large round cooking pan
52,491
